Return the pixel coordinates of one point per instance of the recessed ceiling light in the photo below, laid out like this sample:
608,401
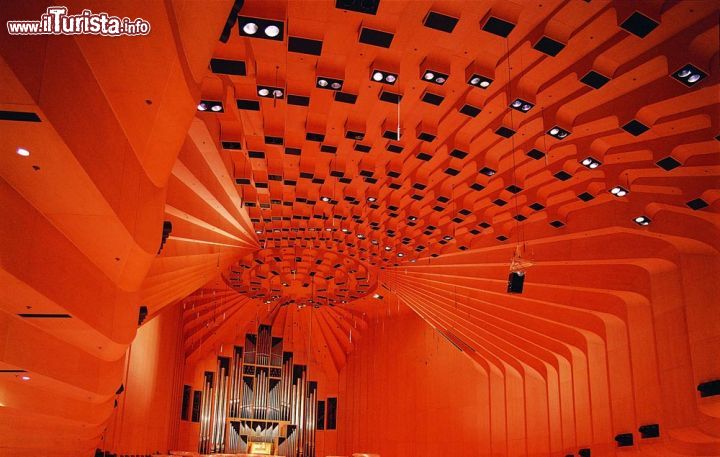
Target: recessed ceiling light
23,152
388,248
590,162
642,220
325,199
558,133
371,199
400,254
619,191
25,378
258,231
250,28
377,296
272,31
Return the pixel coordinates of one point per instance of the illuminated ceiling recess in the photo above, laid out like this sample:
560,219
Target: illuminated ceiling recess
366,135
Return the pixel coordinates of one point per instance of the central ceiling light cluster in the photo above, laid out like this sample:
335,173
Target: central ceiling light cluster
261,28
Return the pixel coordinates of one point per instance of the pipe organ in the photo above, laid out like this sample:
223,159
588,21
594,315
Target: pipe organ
259,396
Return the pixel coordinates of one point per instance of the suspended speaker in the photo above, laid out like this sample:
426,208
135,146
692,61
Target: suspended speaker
709,389
649,431
515,282
624,439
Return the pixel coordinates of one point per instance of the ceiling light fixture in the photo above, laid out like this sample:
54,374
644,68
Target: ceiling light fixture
642,220
23,152
558,133
377,296
388,248
329,83
591,163
521,105
251,26
619,191
689,75
212,105
480,81
384,77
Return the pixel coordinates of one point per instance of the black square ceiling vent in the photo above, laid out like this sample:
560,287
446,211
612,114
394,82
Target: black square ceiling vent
359,6
227,67
635,128
440,22
594,79
697,204
305,45
505,132
639,24
376,37
344,97
433,99
498,26
470,110
668,163
535,154
549,46
299,100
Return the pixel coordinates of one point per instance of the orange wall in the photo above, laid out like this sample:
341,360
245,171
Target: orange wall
149,410
407,391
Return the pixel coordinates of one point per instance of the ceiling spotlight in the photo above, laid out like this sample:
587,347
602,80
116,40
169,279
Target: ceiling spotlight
371,199
480,81
619,191
689,75
258,231
375,242
328,229
250,28
435,77
345,230
23,152
388,248
558,133
325,199
329,83
377,296
271,30
642,220
447,238
214,106
591,163
361,236
412,218
384,77
521,105
400,254
25,377
270,92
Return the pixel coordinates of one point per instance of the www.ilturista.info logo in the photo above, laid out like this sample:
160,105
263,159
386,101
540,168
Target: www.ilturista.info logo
56,21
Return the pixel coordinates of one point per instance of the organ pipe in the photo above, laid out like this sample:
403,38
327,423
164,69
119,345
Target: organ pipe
259,395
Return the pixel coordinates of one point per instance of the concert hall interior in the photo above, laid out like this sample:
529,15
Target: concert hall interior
351,228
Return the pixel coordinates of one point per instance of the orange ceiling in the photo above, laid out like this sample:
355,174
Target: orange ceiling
121,147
